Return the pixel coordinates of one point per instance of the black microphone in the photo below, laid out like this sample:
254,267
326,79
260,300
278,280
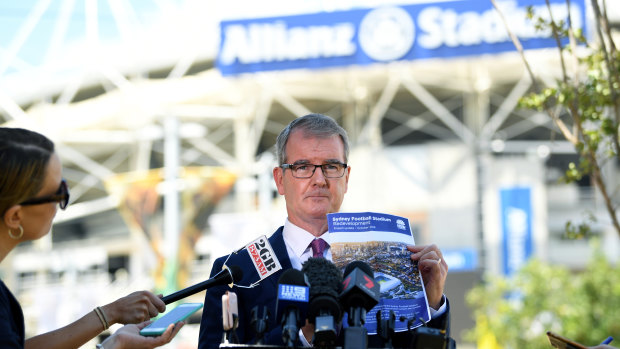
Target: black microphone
360,294
292,304
360,291
225,276
324,310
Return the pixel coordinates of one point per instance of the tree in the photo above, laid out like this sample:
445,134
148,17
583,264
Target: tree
518,311
588,92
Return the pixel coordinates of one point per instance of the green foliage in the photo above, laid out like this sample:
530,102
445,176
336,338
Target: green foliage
584,103
587,97
582,229
584,306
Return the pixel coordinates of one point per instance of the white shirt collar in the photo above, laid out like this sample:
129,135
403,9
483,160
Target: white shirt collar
296,238
297,241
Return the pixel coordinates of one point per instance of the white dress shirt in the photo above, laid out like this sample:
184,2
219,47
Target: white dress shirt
297,243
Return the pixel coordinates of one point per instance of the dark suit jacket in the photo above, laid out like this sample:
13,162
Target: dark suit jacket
264,294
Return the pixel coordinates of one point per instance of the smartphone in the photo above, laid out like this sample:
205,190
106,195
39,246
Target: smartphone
180,313
560,342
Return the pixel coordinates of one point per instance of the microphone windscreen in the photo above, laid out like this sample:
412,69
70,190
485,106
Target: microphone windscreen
325,285
236,273
361,265
324,277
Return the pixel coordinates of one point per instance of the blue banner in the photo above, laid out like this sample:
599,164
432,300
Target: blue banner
516,217
461,260
357,222
384,34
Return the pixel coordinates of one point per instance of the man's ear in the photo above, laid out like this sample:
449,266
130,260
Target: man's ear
278,177
12,218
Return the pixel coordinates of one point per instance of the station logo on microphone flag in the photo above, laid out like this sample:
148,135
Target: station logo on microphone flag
263,257
370,283
293,293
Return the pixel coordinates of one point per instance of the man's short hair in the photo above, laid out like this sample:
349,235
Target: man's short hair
315,125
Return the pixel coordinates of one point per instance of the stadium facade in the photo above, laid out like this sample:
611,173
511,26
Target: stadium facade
166,129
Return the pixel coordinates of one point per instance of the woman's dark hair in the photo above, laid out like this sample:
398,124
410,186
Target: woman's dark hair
24,156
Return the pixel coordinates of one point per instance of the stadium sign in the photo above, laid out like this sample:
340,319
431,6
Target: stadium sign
384,34
517,228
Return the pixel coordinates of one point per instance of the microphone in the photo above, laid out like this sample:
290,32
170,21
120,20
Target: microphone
292,304
360,291
324,310
225,276
360,294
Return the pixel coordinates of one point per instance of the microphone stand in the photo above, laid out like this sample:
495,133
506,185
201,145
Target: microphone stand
325,335
290,330
356,335
260,324
385,328
231,335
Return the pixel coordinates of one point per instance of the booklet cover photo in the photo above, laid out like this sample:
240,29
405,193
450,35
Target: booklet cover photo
381,241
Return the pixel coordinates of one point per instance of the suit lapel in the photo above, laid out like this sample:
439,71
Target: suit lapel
279,248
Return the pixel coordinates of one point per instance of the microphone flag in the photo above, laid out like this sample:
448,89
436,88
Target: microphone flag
360,289
263,257
292,295
292,304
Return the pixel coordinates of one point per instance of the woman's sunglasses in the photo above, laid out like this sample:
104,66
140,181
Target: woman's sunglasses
61,197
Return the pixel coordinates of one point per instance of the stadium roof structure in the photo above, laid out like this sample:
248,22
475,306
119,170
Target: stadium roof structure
111,81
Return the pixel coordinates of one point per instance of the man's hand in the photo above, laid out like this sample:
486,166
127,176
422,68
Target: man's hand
434,271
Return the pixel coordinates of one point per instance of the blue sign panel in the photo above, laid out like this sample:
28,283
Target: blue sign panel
365,36
516,217
461,260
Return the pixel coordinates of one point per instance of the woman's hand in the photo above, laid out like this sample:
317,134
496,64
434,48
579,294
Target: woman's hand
129,337
134,308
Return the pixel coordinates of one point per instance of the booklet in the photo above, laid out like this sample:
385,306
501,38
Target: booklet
381,241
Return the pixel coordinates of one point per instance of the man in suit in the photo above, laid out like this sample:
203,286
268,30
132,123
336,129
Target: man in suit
313,176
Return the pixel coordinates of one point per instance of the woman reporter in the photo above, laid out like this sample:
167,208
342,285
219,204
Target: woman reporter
31,190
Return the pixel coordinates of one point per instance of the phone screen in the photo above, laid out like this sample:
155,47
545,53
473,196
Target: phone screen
177,314
563,343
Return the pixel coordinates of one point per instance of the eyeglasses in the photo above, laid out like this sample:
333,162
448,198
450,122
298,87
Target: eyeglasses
61,197
331,170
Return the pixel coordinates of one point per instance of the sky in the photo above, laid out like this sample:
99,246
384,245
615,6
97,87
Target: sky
27,27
